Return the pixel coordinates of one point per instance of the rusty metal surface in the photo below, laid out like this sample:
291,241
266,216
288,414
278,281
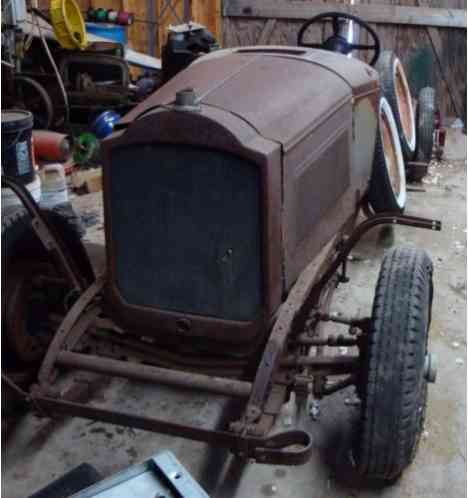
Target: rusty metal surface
365,226
217,129
118,345
61,336
221,79
285,448
147,373
291,319
285,117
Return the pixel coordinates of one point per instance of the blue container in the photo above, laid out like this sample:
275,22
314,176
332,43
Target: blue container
112,32
104,123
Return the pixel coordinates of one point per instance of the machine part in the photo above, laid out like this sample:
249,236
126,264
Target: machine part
425,124
51,146
162,476
286,448
394,405
365,226
104,124
185,43
387,190
101,69
68,24
147,373
337,42
396,90
17,151
73,317
265,449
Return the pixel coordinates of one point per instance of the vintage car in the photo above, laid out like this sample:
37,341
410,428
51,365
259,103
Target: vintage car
232,198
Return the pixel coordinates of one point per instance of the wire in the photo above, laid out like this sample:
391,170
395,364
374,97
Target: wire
57,73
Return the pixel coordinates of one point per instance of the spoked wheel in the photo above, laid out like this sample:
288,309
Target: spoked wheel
396,366
396,90
387,190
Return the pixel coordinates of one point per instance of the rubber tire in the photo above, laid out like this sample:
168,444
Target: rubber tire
385,67
391,383
19,242
425,124
381,196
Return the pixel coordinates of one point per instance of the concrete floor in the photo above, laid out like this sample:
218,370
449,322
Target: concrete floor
39,450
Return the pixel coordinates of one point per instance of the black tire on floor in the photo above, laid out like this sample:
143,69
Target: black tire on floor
425,124
395,88
21,249
392,382
19,241
383,196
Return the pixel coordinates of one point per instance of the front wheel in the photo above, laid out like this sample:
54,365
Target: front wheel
396,366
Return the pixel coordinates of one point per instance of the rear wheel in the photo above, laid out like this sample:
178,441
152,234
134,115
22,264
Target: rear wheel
396,90
387,189
396,366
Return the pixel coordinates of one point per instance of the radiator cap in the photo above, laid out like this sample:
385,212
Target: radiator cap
186,100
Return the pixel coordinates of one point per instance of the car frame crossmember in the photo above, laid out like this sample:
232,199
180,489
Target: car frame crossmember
277,373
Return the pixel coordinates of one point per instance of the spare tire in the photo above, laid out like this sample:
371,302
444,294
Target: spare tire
395,88
425,124
26,331
387,189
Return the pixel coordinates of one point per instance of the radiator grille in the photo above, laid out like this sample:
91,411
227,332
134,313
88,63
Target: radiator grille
186,230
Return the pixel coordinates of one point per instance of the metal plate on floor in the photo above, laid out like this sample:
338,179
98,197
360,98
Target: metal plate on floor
162,476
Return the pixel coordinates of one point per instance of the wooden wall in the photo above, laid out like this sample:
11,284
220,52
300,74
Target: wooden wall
433,56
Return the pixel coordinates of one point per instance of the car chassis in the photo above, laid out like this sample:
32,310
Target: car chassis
284,365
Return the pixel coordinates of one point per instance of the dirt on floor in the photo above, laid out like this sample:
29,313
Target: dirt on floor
39,450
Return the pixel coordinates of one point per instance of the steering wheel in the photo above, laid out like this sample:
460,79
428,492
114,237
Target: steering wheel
337,42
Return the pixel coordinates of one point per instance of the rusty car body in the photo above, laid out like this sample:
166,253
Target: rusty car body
232,199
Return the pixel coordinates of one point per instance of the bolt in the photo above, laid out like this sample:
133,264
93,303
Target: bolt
314,410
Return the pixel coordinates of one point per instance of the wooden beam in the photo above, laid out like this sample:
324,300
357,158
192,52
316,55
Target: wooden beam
208,13
373,13
267,30
445,70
